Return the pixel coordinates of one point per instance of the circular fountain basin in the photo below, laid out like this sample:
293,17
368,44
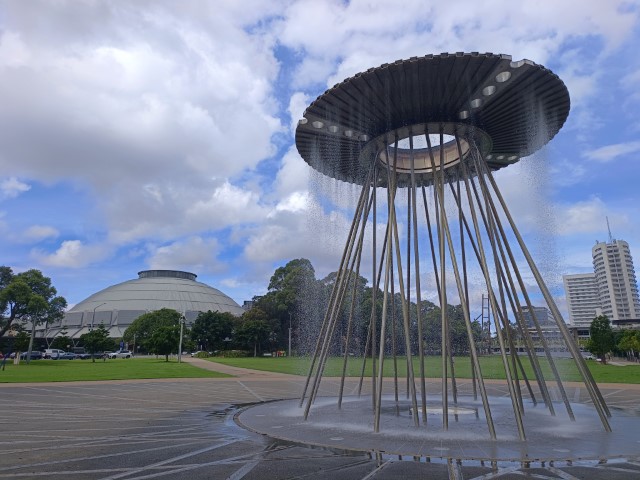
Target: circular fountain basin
549,438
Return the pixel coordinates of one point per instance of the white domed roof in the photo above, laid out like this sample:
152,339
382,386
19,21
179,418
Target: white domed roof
118,305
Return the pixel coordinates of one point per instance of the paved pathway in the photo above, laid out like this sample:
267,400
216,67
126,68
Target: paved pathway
184,428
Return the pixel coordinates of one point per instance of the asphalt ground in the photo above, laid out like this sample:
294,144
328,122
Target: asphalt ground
185,429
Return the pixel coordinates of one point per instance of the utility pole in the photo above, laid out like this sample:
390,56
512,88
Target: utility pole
182,319
289,354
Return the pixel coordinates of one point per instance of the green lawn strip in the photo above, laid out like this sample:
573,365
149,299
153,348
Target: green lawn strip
86,370
492,367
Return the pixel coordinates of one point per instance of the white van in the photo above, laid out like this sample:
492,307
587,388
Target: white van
52,353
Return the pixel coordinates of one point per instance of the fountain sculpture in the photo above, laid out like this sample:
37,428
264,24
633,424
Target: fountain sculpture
471,114
426,135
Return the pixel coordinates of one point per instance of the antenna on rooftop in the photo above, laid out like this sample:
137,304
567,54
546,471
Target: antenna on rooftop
609,228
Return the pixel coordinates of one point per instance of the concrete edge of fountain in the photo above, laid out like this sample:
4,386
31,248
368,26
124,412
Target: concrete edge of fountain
263,418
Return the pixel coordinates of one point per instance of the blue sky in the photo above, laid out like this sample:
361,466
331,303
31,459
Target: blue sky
159,134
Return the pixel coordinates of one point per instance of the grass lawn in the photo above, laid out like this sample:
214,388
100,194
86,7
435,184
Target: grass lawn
492,367
117,369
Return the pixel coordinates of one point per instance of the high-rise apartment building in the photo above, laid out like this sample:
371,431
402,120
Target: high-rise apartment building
611,290
616,280
583,299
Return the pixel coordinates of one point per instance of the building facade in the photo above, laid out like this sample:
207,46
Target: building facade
610,290
583,299
616,280
117,306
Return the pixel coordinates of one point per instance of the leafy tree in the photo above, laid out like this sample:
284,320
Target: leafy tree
211,328
62,341
629,343
143,327
164,340
96,341
602,340
21,342
292,297
28,297
253,332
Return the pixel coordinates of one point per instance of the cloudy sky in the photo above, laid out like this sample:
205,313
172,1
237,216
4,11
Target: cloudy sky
159,134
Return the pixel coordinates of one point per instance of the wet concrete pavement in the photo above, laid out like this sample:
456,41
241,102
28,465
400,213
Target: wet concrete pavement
185,428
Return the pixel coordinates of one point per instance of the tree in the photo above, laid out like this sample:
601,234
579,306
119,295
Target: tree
21,341
143,327
253,332
96,341
211,328
62,341
293,296
28,297
164,340
601,341
629,343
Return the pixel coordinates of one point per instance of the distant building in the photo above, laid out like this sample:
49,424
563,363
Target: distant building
611,290
583,299
247,305
542,316
616,280
117,306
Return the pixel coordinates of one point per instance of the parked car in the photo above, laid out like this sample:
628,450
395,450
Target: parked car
121,354
83,356
52,353
67,356
35,355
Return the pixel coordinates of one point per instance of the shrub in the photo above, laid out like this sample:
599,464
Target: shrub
202,355
234,353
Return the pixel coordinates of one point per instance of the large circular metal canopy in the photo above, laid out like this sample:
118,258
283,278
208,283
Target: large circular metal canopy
505,109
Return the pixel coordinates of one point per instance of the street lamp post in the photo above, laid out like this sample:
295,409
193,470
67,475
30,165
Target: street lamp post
289,354
182,320
94,314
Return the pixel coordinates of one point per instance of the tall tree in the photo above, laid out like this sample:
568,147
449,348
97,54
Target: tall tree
28,297
142,328
602,340
629,343
97,341
210,330
164,340
253,332
292,299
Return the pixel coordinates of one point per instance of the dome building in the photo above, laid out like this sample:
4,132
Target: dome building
119,305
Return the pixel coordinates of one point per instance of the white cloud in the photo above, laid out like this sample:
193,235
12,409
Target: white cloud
40,232
588,216
194,254
12,187
294,174
72,254
611,152
144,96
296,202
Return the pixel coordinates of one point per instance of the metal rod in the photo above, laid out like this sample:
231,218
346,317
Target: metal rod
423,390
525,294
353,303
484,268
324,337
441,218
344,279
467,318
405,307
592,388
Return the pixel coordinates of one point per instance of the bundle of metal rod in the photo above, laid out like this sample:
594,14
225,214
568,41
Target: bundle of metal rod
481,224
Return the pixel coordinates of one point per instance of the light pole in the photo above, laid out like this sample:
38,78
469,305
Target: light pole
94,315
182,320
289,353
